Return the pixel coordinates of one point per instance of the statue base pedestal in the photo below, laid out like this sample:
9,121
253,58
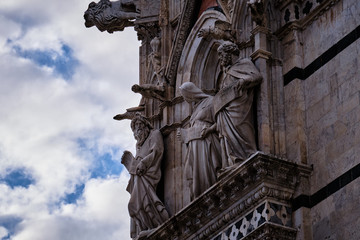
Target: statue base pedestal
251,201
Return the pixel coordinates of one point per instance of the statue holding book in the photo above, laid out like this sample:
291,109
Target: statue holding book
145,208
233,105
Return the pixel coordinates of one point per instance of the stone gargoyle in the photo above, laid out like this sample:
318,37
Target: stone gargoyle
111,16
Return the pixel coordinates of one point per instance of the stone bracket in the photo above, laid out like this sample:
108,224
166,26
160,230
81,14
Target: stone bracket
262,181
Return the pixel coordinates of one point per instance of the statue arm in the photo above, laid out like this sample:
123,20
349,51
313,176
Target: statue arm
247,73
156,150
207,130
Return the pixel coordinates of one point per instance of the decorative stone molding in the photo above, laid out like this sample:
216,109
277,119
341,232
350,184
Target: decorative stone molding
187,19
146,31
272,231
240,192
228,8
297,15
267,212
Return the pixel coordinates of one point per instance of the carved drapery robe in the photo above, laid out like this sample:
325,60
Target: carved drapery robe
145,208
203,157
234,111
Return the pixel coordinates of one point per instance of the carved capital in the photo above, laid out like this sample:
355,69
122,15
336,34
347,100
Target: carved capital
147,31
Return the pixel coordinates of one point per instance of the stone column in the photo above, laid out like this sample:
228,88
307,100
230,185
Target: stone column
260,56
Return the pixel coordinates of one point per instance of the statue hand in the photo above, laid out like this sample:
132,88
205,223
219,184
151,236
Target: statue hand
140,169
204,132
124,156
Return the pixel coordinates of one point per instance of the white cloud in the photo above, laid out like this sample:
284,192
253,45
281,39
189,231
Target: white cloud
98,215
3,232
43,116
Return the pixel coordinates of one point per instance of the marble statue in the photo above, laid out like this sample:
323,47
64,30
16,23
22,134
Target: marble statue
145,208
203,157
111,16
233,105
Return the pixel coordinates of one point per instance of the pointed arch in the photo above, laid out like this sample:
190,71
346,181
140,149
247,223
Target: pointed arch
199,62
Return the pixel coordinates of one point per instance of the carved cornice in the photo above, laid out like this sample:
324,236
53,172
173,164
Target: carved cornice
147,30
187,19
317,12
237,191
307,20
260,53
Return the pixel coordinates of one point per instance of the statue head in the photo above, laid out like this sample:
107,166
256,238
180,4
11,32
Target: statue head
226,52
191,93
141,128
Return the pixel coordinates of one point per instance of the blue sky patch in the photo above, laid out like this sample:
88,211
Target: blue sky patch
74,196
17,178
10,223
104,164
63,63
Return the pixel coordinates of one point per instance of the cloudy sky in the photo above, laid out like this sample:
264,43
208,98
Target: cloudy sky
60,149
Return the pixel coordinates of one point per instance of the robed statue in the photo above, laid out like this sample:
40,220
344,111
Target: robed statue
203,156
233,105
145,208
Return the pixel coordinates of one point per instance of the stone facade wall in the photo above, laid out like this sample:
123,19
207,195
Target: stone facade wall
323,121
337,217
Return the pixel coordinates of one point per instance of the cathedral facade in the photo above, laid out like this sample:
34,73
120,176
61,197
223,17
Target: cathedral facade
257,103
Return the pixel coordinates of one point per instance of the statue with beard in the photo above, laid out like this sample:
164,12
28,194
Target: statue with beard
145,208
233,105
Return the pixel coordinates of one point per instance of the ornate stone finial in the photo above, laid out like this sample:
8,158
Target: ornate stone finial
111,16
258,11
